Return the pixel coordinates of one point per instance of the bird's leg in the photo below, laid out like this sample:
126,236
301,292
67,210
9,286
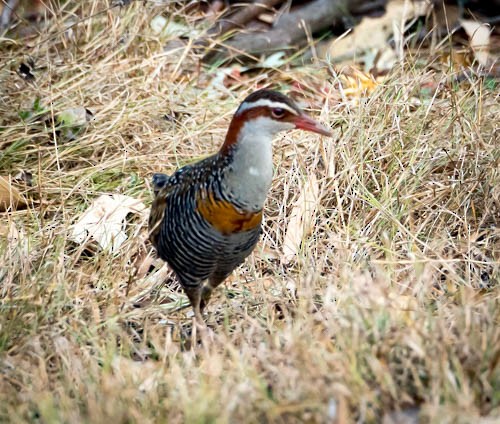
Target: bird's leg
206,292
194,295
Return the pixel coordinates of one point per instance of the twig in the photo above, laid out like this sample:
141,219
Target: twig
289,32
242,16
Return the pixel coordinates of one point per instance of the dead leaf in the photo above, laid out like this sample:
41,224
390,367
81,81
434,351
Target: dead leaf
104,221
479,39
301,218
10,197
222,78
143,262
371,33
273,61
267,18
24,177
72,122
10,232
168,28
356,83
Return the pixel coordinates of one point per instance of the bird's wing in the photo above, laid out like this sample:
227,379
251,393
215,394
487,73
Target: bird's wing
165,186
162,186
156,216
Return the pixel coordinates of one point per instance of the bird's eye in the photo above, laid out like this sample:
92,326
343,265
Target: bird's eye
278,113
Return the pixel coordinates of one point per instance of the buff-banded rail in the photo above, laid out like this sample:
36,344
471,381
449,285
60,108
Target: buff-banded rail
206,217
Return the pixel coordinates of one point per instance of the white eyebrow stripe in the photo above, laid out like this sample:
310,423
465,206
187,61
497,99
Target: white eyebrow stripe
265,102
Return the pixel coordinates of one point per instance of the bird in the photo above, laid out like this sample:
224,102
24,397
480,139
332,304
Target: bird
206,217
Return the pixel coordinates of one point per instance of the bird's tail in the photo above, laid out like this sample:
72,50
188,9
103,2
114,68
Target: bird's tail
159,181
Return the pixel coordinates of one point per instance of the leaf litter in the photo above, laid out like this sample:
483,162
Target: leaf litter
105,220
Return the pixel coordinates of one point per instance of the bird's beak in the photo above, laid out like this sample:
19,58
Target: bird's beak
303,122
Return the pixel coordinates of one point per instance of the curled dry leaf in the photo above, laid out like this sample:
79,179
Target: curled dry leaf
104,221
301,218
10,197
479,39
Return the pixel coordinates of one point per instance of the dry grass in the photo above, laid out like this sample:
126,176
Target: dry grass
392,303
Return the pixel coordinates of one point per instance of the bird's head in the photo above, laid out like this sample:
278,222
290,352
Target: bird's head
264,113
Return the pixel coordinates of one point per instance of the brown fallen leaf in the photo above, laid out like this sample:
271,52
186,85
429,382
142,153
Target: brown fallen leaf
104,221
301,218
10,197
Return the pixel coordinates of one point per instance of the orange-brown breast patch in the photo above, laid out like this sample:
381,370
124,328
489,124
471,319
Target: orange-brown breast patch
224,216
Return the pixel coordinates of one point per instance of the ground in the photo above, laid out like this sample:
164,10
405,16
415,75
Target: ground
390,303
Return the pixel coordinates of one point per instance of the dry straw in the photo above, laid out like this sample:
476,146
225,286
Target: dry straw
390,302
